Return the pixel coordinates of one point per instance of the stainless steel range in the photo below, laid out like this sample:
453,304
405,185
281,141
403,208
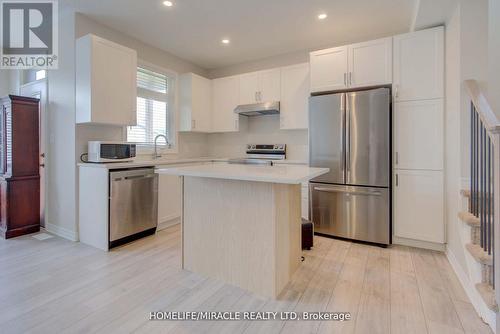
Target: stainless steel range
262,154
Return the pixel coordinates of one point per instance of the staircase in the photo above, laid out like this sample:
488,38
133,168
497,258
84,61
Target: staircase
482,212
482,257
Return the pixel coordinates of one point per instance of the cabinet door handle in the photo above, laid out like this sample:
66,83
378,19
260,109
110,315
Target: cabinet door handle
397,158
193,124
396,91
350,78
397,180
345,79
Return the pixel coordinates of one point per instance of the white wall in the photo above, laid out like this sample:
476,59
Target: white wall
5,87
260,130
494,56
466,58
276,61
453,136
61,215
473,62
9,82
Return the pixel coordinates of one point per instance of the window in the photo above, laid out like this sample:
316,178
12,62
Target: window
41,74
155,103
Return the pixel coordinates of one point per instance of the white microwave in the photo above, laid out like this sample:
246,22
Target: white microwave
109,151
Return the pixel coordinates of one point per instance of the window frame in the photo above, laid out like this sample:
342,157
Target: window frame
172,115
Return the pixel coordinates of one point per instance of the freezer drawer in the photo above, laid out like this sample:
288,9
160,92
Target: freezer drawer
359,213
133,205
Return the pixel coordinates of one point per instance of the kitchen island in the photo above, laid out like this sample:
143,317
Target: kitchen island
241,223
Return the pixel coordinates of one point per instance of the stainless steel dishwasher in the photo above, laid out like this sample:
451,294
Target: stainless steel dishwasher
133,205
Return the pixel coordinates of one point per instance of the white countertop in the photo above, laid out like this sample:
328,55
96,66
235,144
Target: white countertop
290,174
172,161
150,163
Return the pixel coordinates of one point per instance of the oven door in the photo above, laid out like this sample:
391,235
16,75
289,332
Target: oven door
359,213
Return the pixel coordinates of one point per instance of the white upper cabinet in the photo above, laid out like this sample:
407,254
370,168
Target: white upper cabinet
418,128
419,205
195,103
419,65
370,63
270,85
352,66
329,69
259,86
225,98
106,82
249,88
294,97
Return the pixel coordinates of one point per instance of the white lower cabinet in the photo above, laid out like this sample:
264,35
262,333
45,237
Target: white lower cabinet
419,205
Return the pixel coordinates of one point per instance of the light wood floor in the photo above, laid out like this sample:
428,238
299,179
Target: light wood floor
57,286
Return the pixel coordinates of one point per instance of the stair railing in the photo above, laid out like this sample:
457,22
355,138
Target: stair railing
484,174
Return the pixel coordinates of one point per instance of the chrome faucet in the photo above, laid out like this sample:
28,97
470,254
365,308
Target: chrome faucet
155,154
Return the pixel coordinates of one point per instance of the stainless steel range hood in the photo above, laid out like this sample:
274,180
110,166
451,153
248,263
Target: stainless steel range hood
257,109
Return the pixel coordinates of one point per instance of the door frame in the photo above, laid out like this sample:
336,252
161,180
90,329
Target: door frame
43,137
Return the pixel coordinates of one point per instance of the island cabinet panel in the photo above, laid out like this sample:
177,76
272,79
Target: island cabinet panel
242,232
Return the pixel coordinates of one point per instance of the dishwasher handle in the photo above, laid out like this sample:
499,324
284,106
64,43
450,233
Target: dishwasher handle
145,176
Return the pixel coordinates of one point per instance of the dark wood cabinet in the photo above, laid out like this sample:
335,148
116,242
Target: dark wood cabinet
19,166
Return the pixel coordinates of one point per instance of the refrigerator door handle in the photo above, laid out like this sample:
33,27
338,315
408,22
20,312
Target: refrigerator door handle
343,138
336,190
347,137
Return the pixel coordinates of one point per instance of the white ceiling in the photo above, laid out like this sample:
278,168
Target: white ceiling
193,29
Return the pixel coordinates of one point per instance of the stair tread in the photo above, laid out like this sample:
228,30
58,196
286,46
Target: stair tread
465,193
488,295
469,219
479,254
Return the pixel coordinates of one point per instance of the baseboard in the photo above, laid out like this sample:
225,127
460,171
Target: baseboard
484,312
61,232
167,222
418,244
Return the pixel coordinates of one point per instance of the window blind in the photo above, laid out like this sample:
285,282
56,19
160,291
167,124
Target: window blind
152,108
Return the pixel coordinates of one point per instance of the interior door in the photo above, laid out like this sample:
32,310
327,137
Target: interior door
367,138
38,89
326,136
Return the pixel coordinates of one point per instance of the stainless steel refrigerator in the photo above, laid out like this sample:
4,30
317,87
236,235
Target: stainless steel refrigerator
350,134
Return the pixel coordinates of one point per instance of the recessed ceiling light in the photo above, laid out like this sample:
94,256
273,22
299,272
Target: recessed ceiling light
168,3
225,41
322,16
